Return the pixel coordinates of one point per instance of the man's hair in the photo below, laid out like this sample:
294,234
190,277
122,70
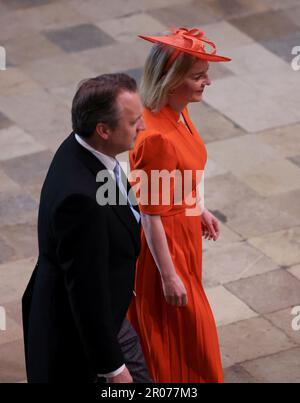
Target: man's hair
96,102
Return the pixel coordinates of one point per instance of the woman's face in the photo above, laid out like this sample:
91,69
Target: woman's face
191,89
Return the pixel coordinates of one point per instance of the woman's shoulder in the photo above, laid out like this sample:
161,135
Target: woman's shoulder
152,149
152,136
157,128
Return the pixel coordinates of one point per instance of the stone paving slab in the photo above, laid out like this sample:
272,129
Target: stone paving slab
266,25
15,142
78,38
22,239
251,105
237,374
252,152
293,13
58,71
6,184
6,251
28,169
253,338
126,29
273,177
278,368
110,61
212,125
295,270
16,207
282,290
4,121
283,320
15,81
12,362
283,139
246,219
14,277
226,307
30,47
233,262
227,236
282,47
246,57
282,246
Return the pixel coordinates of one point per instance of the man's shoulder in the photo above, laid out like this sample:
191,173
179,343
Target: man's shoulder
67,176
66,152
67,166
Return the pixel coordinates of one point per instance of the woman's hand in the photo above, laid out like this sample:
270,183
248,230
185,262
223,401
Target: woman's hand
174,290
210,226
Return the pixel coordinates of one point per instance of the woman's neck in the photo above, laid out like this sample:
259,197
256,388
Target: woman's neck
176,105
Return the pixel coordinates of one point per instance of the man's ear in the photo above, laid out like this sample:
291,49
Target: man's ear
102,131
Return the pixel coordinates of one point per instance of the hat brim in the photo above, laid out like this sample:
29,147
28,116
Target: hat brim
200,55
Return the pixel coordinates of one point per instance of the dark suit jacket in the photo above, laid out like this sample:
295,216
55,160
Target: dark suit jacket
82,285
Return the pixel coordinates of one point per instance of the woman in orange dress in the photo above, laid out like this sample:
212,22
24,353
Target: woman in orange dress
170,310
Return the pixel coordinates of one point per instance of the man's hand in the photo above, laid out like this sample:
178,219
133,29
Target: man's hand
123,377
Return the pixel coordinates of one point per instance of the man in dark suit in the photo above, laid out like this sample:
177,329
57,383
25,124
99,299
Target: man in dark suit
75,304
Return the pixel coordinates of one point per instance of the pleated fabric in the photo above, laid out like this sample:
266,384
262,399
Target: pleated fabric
180,344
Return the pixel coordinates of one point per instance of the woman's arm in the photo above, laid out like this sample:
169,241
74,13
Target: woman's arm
173,287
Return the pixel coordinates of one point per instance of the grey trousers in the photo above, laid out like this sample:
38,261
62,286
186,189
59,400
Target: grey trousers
133,355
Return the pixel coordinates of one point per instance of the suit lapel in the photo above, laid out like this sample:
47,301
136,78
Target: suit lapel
123,212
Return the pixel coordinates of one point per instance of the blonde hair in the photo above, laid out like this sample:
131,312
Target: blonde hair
156,84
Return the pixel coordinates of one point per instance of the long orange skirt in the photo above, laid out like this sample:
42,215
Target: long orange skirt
180,344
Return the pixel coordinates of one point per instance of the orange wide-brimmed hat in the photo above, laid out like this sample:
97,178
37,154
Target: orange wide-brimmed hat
191,41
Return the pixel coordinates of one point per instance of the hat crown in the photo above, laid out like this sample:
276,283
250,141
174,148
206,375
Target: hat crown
192,39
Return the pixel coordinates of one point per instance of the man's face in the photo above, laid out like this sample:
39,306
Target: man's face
130,123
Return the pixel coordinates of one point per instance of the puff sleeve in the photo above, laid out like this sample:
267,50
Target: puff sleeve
153,165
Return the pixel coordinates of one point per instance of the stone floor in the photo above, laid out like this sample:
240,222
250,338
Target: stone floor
250,121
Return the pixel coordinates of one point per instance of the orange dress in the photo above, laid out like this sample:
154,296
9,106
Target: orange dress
180,344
